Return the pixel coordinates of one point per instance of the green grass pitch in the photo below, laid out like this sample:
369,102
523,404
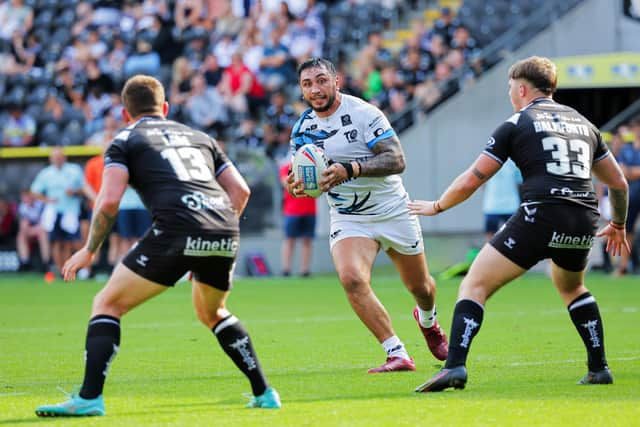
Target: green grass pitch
170,371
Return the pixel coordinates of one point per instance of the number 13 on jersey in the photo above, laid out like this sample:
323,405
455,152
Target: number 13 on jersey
188,163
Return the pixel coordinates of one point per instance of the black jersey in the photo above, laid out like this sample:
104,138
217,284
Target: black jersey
555,147
173,169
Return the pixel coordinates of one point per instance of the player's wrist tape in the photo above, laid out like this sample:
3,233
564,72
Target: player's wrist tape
349,168
616,225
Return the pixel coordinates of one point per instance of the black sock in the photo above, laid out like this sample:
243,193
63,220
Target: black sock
467,318
103,339
235,341
586,318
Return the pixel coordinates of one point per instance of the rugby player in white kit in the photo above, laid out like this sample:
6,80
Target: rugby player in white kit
368,207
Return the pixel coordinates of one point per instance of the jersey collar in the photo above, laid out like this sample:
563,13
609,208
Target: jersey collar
537,101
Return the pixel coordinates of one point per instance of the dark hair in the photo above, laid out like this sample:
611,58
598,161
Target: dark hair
143,95
317,63
537,70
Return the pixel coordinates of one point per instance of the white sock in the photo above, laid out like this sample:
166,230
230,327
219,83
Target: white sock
395,348
427,317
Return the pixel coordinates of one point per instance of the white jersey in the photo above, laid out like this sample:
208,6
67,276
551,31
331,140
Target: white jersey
349,134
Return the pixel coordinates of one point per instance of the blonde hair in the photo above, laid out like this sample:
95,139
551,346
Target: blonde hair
539,71
143,95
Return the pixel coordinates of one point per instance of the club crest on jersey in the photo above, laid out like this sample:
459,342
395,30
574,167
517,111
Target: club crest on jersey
491,142
351,135
346,120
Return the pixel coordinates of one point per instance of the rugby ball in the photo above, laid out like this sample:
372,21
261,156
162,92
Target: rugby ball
308,164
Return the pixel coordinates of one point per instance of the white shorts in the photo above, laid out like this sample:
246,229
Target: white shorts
401,233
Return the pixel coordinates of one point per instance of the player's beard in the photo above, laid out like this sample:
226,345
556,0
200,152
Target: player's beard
326,107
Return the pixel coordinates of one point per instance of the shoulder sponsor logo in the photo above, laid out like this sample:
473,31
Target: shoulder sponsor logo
491,142
335,233
378,132
346,120
198,200
224,246
567,241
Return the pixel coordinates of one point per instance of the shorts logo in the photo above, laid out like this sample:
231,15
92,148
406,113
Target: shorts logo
346,120
225,246
351,135
510,242
142,260
529,213
335,233
567,241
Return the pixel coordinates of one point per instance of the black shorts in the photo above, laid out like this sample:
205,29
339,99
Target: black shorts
164,257
563,232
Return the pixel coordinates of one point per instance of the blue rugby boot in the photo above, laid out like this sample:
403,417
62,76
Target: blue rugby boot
270,399
75,406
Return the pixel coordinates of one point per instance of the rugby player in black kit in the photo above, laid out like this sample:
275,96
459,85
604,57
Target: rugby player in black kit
557,151
195,196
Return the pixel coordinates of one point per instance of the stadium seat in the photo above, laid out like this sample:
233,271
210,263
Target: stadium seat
73,133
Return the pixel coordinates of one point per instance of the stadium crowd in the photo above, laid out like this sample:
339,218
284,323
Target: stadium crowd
229,65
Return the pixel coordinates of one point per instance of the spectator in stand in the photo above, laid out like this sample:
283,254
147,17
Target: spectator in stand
104,136
97,96
280,118
438,48
462,40
165,43
211,70
68,88
460,70
180,85
14,16
414,71
7,223
248,135
445,25
18,128
629,159
61,186
224,48
299,219
304,41
390,99
30,230
240,88
22,57
205,107
188,13
143,61
113,63
275,66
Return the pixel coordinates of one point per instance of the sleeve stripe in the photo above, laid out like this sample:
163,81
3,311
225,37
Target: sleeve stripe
389,133
119,165
493,156
222,168
601,157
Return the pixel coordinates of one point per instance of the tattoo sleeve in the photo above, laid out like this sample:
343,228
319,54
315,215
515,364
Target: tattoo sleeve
619,200
100,227
388,159
479,174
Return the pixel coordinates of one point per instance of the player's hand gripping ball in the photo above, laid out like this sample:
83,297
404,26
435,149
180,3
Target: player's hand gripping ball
308,164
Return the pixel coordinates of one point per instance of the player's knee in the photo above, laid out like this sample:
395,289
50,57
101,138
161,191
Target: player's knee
103,304
352,281
210,317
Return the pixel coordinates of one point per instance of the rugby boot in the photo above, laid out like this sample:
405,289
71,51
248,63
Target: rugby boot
270,399
600,377
445,378
394,364
436,339
75,406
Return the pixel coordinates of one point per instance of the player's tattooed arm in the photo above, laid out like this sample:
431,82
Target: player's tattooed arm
100,227
478,174
619,199
388,159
